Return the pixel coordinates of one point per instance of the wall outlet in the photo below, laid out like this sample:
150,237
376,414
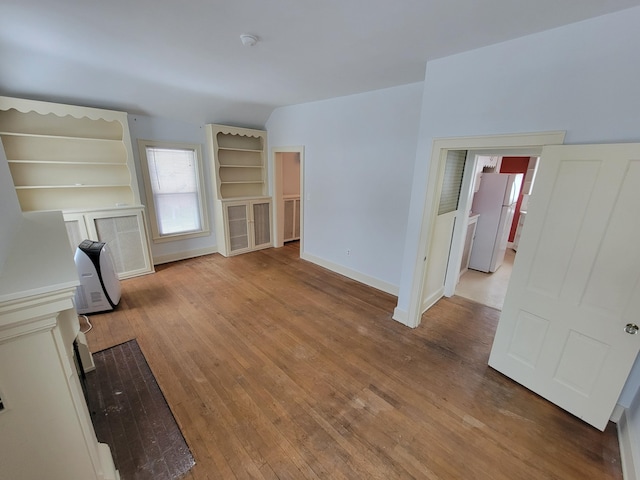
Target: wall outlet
348,252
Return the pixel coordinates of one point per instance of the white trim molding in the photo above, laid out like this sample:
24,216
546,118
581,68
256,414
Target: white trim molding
629,445
174,257
506,144
352,274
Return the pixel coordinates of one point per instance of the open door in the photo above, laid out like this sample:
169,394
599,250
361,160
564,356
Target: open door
440,245
567,329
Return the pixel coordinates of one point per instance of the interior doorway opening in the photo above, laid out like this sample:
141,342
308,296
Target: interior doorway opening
288,195
518,145
487,233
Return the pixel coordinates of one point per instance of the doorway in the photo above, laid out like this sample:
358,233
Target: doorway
517,145
288,195
490,288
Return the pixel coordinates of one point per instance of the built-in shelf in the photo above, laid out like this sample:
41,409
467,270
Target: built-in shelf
65,156
240,175
78,160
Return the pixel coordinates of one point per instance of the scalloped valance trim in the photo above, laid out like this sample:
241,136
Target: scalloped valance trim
61,110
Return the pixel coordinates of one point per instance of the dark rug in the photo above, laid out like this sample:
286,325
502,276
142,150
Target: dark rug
130,414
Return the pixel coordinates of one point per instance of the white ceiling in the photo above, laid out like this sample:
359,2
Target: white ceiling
183,59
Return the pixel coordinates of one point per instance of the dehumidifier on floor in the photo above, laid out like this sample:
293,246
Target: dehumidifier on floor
99,289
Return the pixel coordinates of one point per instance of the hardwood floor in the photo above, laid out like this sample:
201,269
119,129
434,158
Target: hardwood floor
279,369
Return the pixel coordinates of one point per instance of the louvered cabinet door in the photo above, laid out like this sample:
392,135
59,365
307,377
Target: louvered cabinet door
248,225
261,223
76,229
291,219
125,234
237,232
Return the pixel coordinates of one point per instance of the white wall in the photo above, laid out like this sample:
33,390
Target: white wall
10,213
359,153
167,130
581,78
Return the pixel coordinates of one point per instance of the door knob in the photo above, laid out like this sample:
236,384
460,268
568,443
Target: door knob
631,328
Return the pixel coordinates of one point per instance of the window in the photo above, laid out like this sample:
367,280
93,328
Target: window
175,191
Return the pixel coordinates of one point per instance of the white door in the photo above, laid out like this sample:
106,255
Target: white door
450,181
438,259
576,281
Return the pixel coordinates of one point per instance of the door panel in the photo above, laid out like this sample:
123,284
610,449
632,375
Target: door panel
450,181
438,259
576,281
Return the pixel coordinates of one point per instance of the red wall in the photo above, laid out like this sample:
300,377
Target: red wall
515,165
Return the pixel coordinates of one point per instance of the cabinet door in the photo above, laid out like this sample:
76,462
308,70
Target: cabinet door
126,234
261,222
291,219
237,220
76,229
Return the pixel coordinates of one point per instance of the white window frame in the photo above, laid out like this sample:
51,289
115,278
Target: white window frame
204,217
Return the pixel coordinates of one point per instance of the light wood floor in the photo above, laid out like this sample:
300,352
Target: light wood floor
276,368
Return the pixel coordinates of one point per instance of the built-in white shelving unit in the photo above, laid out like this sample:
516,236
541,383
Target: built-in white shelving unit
243,209
78,160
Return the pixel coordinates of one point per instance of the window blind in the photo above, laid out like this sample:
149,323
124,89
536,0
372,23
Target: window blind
173,176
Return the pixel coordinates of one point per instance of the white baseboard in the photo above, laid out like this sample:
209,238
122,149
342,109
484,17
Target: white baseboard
352,274
174,257
401,316
628,445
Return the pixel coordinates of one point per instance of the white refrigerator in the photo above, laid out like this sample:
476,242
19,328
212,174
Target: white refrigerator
495,201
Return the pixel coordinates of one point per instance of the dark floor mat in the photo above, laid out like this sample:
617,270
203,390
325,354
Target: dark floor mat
130,414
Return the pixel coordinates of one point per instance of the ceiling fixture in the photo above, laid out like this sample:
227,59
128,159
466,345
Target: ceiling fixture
248,40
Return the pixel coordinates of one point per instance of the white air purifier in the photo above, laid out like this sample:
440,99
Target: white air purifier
99,289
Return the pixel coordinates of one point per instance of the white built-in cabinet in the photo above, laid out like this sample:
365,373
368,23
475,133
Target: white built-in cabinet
44,419
79,160
248,224
291,217
124,230
243,209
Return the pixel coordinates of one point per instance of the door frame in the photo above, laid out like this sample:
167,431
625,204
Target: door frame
278,210
518,144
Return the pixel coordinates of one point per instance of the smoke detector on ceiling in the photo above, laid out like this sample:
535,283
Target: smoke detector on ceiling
248,40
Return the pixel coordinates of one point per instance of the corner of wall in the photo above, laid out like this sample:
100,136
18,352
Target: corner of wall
627,439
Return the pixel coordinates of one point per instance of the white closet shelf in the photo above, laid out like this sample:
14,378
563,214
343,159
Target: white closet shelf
233,149
241,182
240,166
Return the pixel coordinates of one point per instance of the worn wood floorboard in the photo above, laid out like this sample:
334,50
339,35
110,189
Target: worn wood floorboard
276,368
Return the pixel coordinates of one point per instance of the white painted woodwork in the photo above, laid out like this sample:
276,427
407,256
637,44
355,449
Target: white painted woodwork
124,229
516,239
468,243
291,217
248,223
239,180
438,259
68,157
78,160
449,188
576,281
44,403
410,308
